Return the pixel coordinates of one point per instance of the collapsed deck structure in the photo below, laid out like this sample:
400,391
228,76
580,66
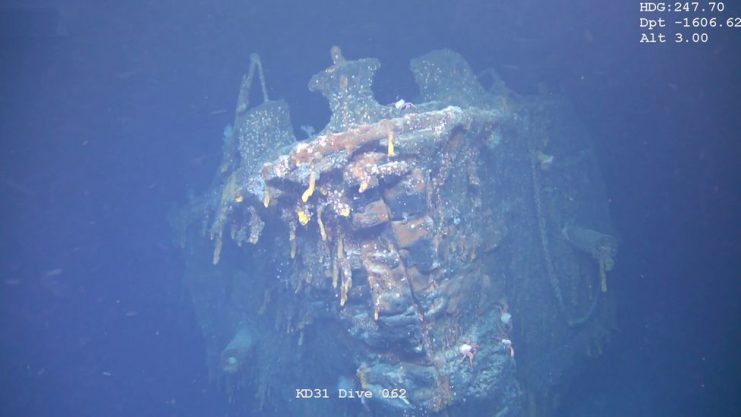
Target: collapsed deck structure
408,250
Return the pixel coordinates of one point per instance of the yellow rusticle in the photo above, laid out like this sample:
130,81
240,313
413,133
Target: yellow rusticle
309,191
346,272
322,231
335,273
292,238
605,265
390,143
266,198
344,210
217,249
362,373
346,285
303,216
363,186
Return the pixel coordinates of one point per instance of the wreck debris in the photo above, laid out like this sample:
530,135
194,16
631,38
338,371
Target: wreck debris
234,355
602,247
399,221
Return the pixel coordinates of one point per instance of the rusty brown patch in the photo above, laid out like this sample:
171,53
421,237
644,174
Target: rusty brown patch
407,233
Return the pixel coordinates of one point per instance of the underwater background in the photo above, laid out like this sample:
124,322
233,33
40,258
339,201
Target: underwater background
113,113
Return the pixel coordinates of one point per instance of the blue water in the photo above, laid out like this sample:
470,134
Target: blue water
112,112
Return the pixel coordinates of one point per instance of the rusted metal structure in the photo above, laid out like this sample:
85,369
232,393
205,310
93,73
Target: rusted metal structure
407,250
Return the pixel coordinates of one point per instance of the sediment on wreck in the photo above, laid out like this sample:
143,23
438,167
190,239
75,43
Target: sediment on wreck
413,247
